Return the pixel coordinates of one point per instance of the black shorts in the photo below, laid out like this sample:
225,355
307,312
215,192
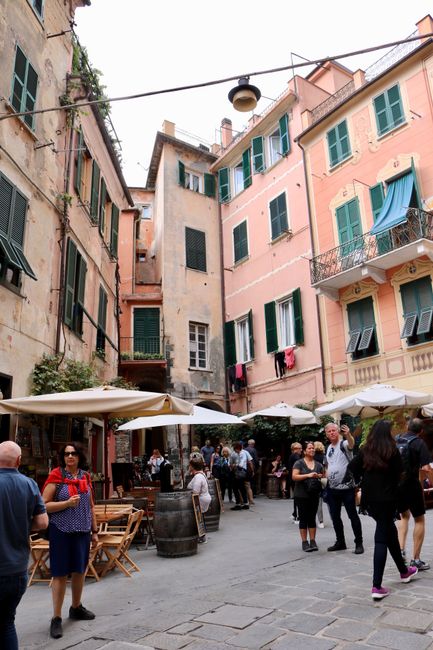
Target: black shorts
411,498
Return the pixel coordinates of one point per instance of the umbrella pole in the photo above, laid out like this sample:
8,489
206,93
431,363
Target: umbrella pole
107,480
179,435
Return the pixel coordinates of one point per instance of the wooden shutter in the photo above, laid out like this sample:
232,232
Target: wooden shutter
271,327
381,114
246,168
147,330
343,138
297,317
257,147
114,235
284,134
240,241
376,198
30,95
102,201
195,245
251,333
102,309
6,194
71,262
19,80
209,185
181,173
230,343
82,271
224,184
395,107
79,163
331,137
278,212
94,197
425,321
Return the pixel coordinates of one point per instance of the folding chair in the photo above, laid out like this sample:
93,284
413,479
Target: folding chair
116,547
40,552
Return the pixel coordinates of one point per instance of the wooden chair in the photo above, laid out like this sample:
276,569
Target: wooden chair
116,547
39,570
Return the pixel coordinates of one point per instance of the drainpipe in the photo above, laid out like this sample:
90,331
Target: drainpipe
223,303
319,319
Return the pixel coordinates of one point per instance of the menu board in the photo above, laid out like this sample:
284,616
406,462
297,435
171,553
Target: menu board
201,528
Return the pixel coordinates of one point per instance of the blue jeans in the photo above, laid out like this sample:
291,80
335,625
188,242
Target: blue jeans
346,498
12,589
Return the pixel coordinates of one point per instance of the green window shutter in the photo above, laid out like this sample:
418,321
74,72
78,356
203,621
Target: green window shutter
415,181
30,97
297,317
209,185
230,343
332,146
381,114
94,197
102,202
284,134
257,147
246,168
376,197
349,226
224,184
240,241
181,173
6,195
24,87
251,333
79,163
81,287
271,327
278,212
343,137
114,235
395,106
18,224
147,330
71,262
195,244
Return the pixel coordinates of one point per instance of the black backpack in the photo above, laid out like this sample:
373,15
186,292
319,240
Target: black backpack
403,445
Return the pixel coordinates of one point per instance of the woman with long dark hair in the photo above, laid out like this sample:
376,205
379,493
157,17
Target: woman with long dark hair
379,465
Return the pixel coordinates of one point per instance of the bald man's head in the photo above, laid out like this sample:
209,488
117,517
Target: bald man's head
10,454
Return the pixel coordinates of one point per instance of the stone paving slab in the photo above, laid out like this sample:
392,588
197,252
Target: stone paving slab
296,604
213,632
358,613
184,628
119,645
348,630
164,641
235,616
311,624
408,620
426,604
256,636
125,632
268,599
398,640
301,642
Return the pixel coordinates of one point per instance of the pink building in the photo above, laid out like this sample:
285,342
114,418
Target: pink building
368,156
273,350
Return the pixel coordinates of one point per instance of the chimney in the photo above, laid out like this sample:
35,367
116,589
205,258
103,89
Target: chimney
425,26
358,78
168,128
226,132
253,120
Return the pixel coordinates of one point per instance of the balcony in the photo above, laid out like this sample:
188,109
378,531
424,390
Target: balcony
369,256
142,362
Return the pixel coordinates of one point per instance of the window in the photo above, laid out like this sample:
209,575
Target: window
13,211
38,6
388,108
75,281
94,193
195,244
146,212
279,141
240,242
146,331
198,337
258,153
192,181
102,320
274,147
362,329
338,143
238,178
24,87
114,230
196,181
244,338
278,213
284,323
349,227
224,185
417,301
103,200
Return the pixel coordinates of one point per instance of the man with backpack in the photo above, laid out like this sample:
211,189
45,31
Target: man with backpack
415,456
341,492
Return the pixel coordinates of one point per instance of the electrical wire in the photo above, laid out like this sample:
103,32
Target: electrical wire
203,84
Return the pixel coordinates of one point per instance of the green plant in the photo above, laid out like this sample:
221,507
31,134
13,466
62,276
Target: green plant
99,353
366,424
121,382
79,375
125,356
65,198
46,377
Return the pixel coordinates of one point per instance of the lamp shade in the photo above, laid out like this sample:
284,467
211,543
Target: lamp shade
244,96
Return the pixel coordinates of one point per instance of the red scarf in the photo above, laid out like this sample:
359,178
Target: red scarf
75,485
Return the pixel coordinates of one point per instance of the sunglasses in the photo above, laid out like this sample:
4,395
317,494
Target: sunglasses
71,453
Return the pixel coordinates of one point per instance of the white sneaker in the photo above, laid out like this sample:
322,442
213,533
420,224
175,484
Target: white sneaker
320,524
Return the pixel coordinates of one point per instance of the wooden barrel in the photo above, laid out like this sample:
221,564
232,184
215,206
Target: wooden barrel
174,524
212,516
273,487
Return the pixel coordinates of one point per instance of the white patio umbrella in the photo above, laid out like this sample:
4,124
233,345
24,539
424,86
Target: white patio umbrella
105,401
282,410
377,399
199,415
427,410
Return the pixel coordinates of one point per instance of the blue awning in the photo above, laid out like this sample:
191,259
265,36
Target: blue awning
396,203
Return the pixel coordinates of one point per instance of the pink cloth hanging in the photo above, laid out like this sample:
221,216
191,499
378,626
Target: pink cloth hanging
239,371
289,358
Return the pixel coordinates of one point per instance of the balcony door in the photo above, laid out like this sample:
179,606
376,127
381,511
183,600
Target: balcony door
146,331
349,227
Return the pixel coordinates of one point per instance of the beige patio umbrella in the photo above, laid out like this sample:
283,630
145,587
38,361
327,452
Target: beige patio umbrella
106,401
295,415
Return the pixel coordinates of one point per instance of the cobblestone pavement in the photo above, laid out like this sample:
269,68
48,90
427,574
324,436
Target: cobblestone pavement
251,586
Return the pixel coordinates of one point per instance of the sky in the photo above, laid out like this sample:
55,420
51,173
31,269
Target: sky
148,45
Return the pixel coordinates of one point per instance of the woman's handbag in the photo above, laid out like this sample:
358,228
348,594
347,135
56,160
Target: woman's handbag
313,486
240,473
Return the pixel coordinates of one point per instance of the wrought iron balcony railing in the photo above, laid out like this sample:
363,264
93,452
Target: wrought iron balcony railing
362,249
141,348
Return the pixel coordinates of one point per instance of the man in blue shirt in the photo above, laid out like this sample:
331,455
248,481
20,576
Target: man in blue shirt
206,451
22,511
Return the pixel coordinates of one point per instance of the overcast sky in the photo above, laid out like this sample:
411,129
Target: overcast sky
146,45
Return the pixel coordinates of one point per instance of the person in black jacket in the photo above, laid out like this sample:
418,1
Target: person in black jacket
379,465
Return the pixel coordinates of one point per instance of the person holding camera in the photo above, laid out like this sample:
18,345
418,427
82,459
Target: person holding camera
341,492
